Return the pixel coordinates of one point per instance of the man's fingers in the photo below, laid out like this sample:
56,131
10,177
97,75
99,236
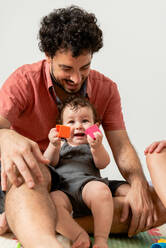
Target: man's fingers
3,179
125,212
151,219
34,166
10,172
155,216
142,223
133,225
24,171
38,155
149,223
3,220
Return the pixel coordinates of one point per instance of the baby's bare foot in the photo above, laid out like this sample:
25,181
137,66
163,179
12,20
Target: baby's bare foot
3,224
82,241
100,242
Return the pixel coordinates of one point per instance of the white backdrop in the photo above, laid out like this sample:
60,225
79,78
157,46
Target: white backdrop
134,56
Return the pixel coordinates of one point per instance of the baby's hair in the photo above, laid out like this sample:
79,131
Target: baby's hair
75,102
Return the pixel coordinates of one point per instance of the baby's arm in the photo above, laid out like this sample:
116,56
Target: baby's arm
52,151
99,153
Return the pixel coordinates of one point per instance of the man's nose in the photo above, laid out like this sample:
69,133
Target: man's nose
76,77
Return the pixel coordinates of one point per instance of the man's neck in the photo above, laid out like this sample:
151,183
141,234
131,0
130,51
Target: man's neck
60,92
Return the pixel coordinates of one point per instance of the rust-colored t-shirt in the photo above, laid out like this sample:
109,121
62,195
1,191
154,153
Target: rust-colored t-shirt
26,101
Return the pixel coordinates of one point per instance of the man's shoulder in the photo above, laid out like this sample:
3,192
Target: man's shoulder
36,67
100,77
26,76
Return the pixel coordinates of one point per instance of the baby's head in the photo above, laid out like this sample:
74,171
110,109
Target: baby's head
79,114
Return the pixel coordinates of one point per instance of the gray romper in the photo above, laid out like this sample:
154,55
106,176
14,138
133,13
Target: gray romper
76,168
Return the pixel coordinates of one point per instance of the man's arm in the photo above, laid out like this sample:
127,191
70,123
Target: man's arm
18,154
138,198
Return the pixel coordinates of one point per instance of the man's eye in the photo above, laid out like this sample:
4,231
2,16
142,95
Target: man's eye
85,68
66,69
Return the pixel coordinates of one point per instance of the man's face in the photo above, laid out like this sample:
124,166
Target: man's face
70,71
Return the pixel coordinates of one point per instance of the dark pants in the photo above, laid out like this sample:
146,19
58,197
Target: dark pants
113,185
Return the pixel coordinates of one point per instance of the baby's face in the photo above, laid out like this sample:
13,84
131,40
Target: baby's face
78,120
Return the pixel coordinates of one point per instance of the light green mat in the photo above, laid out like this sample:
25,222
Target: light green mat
142,240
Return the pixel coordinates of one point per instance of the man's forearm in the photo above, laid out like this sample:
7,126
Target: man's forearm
129,164
125,156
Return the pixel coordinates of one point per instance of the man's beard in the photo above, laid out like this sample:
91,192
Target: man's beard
58,82
70,91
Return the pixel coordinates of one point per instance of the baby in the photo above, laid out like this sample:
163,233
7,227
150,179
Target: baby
81,189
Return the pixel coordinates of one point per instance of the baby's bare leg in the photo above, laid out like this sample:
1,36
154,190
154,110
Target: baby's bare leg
66,225
97,196
156,163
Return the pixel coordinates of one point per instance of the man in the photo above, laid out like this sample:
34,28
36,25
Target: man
28,110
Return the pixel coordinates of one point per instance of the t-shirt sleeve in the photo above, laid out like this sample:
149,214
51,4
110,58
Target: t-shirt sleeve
13,99
113,117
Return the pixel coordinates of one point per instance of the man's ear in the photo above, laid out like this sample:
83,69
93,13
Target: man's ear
48,58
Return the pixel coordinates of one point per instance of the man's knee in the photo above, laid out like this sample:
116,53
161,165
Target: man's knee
46,175
46,182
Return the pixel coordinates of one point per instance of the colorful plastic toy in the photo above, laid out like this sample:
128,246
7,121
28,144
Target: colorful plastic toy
63,131
161,244
162,241
91,130
19,245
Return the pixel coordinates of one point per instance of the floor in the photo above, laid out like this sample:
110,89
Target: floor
142,240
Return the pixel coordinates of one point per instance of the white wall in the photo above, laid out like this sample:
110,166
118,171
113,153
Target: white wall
134,56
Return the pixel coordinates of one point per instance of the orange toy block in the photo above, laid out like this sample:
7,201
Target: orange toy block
63,131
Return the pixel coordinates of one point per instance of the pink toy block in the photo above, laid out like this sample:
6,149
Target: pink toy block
91,130
63,131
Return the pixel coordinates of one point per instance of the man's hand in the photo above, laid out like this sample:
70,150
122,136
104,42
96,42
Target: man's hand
3,224
143,212
19,154
155,147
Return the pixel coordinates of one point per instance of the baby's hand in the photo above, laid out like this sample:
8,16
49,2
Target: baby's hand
155,147
95,143
53,137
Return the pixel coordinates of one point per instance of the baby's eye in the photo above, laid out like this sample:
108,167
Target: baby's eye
70,122
85,120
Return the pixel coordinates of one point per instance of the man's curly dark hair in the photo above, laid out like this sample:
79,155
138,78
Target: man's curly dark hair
70,28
